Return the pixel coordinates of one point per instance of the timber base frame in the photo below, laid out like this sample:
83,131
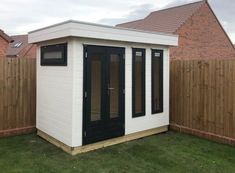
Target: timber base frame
101,144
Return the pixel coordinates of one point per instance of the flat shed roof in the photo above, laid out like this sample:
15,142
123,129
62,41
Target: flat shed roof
73,28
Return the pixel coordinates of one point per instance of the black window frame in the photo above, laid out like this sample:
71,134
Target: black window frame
153,51
51,48
134,50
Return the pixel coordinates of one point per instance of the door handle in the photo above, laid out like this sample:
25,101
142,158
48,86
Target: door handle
111,88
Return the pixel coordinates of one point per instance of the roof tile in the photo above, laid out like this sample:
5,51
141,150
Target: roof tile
167,20
14,51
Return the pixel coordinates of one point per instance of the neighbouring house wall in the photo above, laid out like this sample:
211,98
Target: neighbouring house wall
55,96
3,47
202,37
132,125
29,51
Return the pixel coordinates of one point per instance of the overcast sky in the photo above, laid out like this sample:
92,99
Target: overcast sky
22,16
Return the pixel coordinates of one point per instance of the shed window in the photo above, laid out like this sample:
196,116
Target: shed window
138,82
157,81
54,55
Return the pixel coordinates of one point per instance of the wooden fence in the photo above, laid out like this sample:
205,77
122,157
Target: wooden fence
202,98
17,95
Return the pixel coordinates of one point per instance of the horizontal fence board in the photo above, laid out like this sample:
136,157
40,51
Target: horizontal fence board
17,95
202,95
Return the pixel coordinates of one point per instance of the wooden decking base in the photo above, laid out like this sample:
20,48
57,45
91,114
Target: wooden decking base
102,144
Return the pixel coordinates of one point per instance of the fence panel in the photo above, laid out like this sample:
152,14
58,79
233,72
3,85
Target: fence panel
202,98
17,95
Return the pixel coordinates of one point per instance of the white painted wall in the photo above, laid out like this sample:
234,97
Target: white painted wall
55,96
132,125
60,92
150,120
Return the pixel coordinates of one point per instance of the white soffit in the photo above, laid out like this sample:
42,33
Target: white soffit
73,28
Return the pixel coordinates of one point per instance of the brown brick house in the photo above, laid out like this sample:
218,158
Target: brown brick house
4,42
200,33
16,46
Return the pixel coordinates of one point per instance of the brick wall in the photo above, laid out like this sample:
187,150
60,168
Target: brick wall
29,51
3,47
201,37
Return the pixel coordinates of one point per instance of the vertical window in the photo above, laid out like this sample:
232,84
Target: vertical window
157,81
138,82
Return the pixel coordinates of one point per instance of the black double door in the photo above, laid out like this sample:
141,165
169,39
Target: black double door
103,116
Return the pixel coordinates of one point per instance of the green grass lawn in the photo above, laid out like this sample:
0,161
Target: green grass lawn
169,152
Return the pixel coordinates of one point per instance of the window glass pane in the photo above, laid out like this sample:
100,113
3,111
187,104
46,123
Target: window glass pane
157,101
138,84
156,84
114,85
53,55
95,88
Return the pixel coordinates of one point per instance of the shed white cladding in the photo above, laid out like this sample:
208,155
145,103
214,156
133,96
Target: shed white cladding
132,125
55,97
60,88
60,92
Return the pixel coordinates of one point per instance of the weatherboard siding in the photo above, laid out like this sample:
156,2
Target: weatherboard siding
60,93
55,97
132,125
150,120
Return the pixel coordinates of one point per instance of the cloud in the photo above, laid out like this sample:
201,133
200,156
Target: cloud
138,13
224,11
20,17
179,2
141,11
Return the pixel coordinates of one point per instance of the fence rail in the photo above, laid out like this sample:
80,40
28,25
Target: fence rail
202,99
17,95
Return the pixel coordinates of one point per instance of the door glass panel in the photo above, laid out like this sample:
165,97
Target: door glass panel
95,88
138,84
114,86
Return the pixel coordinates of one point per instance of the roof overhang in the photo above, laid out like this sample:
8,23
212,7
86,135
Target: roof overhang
73,28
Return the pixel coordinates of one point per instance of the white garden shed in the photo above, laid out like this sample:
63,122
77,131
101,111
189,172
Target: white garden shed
100,85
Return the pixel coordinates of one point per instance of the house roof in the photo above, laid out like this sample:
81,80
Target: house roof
19,42
5,36
166,20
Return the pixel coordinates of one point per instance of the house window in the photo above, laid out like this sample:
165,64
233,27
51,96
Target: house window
17,45
138,82
54,55
157,81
